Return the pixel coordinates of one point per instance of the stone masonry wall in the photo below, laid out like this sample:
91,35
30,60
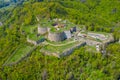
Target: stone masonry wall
68,34
42,30
70,50
64,53
56,36
31,41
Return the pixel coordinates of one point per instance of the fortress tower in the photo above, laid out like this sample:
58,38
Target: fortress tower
52,36
42,30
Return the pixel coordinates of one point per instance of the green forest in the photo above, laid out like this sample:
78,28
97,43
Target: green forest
82,64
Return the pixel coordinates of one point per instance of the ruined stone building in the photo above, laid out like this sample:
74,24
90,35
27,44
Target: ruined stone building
56,36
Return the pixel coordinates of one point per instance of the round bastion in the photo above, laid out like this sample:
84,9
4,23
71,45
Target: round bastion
42,30
53,36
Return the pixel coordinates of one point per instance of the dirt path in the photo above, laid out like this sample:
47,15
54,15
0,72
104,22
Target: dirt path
58,44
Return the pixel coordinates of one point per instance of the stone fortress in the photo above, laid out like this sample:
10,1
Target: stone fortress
58,30
57,34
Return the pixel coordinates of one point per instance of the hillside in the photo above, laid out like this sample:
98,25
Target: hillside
5,3
84,63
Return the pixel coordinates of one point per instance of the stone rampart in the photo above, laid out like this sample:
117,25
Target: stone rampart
52,36
64,53
32,41
68,34
110,40
35,42
42,30
73,29
70,50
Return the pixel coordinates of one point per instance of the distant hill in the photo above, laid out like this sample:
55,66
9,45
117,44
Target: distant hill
4,3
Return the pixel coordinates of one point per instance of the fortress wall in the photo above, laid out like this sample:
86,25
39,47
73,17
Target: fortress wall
48,29
69,51
56,36
35,42
64,53
42,30
73,29
110,40
31,41
68,34
49,53
92,43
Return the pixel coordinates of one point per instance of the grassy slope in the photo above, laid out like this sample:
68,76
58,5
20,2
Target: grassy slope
19,53
59,49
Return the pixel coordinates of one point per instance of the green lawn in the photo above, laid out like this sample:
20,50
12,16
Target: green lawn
35,37
30,29
59,49
20,52
46,23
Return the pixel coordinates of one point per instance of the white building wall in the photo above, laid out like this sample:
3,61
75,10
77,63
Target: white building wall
68,34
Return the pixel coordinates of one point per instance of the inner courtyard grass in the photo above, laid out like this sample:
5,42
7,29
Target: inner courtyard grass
59,49
35,37
30,29
60,42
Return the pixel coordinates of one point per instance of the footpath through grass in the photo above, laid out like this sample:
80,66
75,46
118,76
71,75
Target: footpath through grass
19,53
59,49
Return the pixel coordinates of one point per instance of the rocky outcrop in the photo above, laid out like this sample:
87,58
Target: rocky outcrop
53,36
